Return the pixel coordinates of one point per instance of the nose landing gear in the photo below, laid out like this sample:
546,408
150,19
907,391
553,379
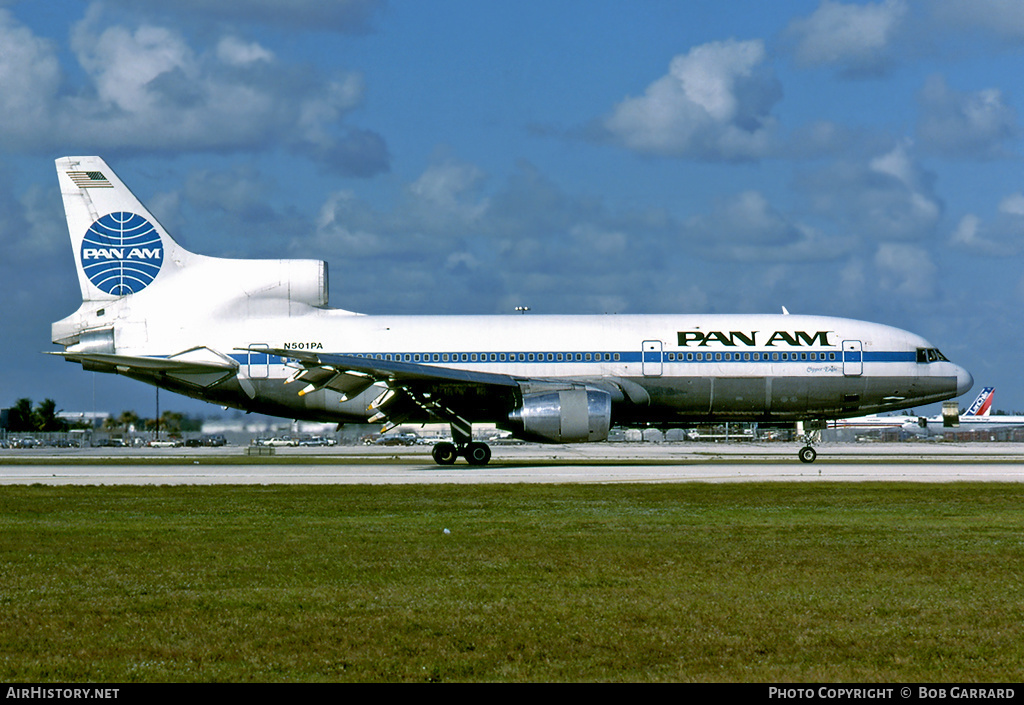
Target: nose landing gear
809,437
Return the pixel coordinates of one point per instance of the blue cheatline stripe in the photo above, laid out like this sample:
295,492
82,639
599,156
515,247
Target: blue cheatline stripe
668,358
890,357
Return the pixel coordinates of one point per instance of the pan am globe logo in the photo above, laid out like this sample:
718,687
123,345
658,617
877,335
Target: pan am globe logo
122,253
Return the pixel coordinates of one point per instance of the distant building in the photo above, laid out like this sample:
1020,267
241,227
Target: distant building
94,419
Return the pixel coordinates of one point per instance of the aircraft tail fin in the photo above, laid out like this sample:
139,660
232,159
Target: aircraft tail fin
123,254
119,247
982,406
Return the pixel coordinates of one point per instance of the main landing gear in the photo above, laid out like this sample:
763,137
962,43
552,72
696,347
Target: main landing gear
475,453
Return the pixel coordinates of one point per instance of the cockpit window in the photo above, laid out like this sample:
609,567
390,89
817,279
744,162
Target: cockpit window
925,355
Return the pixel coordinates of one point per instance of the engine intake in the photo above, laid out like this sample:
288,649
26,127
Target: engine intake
565,416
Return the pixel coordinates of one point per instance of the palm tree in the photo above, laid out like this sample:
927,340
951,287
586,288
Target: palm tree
128,419
45,417
170,422
19,417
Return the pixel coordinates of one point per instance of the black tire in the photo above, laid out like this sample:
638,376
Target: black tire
807,454
477,454
444,453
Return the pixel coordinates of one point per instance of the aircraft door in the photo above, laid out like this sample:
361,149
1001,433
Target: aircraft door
651,358
259,362
853,358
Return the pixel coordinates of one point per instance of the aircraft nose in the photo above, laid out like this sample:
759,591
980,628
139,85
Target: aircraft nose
964,381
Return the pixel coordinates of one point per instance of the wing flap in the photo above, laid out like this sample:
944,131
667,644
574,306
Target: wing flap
413,389
349,384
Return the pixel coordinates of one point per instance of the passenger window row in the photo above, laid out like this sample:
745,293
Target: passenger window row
752,357
495,357
605,357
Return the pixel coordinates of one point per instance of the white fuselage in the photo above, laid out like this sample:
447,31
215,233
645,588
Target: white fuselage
678,367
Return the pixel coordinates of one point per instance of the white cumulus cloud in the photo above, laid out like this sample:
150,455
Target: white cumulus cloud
714,103
1002,236
965,124
854,37
149,88
887,196
906,270
237,52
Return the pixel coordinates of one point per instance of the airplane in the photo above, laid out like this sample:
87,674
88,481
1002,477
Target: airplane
982,406
979,408
259,335
872,422
978,417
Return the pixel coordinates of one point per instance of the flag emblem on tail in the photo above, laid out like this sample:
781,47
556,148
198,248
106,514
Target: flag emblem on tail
90,179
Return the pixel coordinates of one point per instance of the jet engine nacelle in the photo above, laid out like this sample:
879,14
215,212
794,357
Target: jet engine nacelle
564,416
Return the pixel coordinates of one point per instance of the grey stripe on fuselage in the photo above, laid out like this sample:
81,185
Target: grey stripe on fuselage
673,399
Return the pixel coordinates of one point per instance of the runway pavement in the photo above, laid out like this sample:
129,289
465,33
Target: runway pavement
589,463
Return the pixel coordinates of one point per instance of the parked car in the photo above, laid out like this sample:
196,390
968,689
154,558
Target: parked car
399,439
317,441
166,443
279,442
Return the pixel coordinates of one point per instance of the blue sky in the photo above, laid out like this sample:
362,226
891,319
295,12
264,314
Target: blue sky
859,159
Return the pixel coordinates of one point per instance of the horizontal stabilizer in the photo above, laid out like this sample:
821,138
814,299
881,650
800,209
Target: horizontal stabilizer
201,367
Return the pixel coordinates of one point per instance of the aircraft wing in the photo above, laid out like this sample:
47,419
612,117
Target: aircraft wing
408,372
412,389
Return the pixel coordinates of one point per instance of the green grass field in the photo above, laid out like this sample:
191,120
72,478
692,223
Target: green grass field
677,582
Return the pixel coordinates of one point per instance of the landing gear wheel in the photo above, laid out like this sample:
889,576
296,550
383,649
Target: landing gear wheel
477,453
444,453
807,454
